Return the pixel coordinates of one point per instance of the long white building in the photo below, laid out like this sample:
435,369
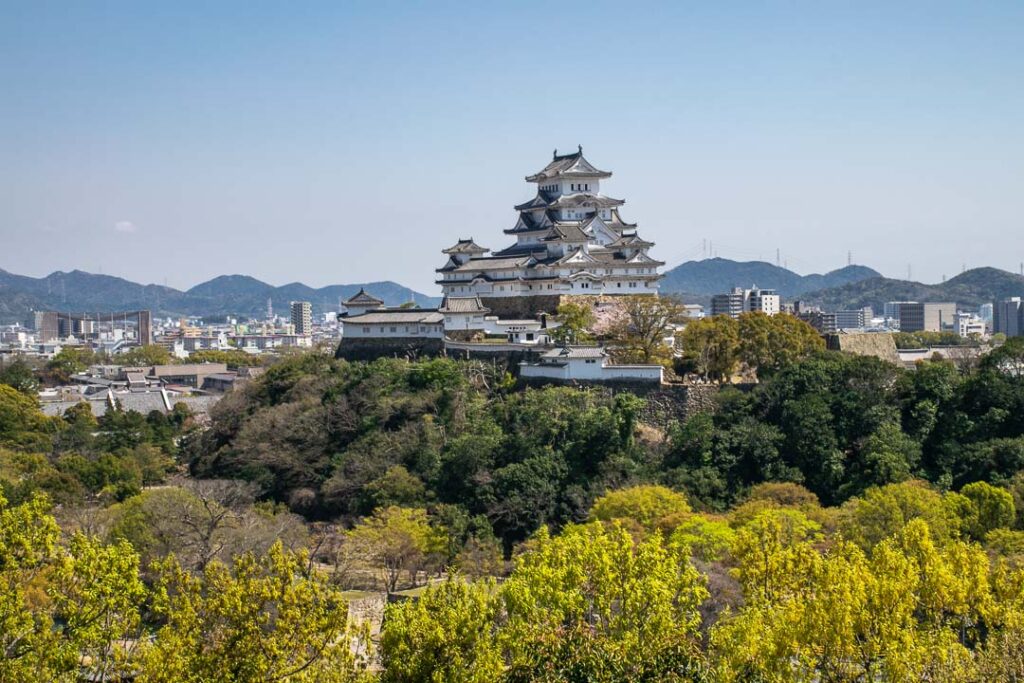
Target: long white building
569,240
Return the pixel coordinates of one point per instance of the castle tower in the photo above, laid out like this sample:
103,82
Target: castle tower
570,239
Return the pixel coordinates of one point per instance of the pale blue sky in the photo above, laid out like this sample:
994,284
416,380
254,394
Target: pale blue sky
338,142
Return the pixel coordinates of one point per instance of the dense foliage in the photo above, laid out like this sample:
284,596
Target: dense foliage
839,424
333,438
902,584
700,551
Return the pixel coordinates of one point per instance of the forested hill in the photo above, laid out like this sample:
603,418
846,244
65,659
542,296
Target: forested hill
701,279
241,295
971,288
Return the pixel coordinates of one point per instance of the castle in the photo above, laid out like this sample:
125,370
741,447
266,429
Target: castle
570,240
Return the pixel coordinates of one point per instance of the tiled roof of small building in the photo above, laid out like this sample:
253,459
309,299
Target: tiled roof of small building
575,352
363,298
462,304
396,316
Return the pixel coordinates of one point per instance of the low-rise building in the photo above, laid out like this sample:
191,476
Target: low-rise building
856,319
396,323
969,325
586,364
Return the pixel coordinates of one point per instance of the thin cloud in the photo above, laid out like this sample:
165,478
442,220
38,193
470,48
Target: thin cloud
125,226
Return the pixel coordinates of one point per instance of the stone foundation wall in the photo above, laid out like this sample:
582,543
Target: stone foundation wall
522,307
665,403
396,347
676,402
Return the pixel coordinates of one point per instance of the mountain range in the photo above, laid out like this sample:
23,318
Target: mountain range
843,289
970,289
238,295
696,281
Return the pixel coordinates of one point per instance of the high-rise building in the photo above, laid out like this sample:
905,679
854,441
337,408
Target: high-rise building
741,300
731,304
891,310
932,317
1008,317
765,300
302,317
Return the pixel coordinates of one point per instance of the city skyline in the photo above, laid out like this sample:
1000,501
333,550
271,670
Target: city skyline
350,144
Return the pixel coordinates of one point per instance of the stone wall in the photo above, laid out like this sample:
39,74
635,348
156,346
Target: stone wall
878,344
665,403
522,307
390,347
676,402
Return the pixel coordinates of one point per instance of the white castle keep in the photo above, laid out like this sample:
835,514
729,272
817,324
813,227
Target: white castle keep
570,240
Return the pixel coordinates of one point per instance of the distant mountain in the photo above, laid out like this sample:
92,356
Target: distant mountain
969,289
700,279
241,295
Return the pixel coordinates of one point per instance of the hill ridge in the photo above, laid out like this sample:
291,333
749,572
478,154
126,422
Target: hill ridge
235,294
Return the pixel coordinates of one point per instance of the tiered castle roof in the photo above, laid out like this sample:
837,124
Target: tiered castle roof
568,222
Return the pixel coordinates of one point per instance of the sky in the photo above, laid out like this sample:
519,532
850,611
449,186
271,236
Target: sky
340,142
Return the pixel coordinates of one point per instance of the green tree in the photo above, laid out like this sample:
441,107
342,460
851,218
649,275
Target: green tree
576,320
991,508
712,345
150,354
767,342
19,375
68,361
22,424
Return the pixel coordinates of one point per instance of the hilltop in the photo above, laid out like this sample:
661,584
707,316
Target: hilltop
698,280
971,288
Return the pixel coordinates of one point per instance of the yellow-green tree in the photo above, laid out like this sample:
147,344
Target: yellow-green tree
264,618
396,541
65,612
990,508
591,604
449,634
642,505
576,320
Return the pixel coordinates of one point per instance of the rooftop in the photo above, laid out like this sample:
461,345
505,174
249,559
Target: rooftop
465,247
361,298
575,352
426,316
462,304
568,165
